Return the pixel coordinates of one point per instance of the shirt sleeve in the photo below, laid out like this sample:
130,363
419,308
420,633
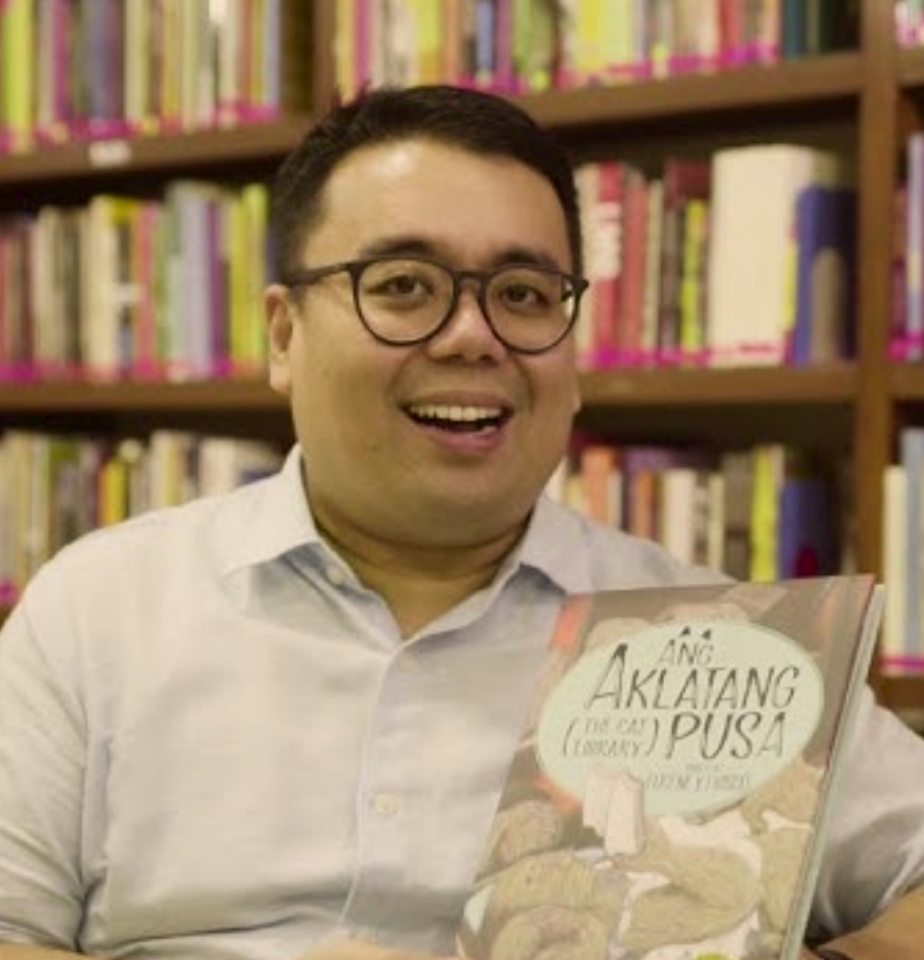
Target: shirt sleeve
874,850
42,750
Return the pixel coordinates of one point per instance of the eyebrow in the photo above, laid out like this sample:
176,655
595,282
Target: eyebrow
412,246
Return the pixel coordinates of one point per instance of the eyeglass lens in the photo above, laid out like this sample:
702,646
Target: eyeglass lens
404,300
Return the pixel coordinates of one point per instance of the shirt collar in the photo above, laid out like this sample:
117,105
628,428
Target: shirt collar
269,518
555,546
272,518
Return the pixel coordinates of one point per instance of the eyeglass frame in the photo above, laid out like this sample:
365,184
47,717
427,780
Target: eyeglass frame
308,276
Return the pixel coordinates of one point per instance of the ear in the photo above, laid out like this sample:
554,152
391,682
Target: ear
279,310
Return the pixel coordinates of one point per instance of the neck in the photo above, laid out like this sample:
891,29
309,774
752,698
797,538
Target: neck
418,583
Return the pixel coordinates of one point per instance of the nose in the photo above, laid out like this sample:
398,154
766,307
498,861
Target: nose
467,333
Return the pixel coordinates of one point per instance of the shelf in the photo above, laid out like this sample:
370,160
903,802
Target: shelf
80,397
909,66
835,78
906,381
770,386
133,155
836,384
902,692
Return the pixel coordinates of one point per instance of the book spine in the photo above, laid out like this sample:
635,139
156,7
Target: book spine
914,265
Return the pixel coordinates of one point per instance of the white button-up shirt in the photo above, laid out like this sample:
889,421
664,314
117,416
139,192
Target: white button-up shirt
214,742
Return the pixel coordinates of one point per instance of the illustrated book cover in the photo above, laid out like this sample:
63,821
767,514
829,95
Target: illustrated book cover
669,795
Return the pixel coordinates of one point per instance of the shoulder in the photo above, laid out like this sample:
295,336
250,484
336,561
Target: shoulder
584,555
146,552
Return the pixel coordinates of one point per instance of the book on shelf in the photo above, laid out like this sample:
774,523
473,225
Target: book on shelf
57,487
903,536
520,46
894,642
826,283
601,195
753,261
98,69
106,291
914,250
671,788
687,181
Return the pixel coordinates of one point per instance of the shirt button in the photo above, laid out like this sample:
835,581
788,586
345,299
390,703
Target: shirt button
386,804
335,576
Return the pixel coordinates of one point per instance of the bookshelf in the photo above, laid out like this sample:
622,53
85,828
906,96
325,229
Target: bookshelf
865,100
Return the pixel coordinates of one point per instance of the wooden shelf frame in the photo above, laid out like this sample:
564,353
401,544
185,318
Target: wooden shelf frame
129,156
831,384
228,396
829,80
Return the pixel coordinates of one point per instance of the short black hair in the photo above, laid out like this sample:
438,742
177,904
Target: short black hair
473,120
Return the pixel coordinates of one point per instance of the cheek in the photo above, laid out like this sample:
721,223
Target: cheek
338,383
557,386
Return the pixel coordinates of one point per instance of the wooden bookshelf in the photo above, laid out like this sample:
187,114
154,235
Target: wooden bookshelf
826,83
866,99
166,155
830,384
229,396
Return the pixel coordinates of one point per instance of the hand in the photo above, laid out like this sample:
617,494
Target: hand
363,950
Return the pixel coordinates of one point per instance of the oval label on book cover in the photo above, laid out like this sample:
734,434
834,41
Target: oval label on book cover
690,716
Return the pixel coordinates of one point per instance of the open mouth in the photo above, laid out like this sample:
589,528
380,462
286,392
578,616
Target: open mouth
459,419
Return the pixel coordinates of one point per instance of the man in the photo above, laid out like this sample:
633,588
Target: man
275,724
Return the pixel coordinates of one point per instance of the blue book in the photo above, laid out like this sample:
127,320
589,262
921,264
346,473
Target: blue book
914,308
807,540
826,274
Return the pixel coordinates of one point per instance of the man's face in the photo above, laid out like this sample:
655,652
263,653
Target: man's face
387,457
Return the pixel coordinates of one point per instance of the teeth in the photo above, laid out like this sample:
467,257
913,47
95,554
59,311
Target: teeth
457,413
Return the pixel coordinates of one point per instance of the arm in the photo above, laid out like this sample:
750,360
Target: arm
870,900
42,754
874,854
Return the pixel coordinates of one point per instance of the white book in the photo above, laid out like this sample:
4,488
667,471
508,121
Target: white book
752,260
895,568
676,515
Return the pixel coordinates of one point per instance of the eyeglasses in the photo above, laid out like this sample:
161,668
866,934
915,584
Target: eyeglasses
406,300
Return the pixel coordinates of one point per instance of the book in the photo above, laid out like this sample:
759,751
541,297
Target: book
751,292
686,181
911,457
826,284
892,654
914,249
669,794
601,195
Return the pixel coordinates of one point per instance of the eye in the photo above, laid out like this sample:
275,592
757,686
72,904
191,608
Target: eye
399,283
527,291
403,285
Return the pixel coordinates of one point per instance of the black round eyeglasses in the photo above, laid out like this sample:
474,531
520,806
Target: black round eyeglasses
405,300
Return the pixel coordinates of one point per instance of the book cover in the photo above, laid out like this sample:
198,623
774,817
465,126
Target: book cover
669,795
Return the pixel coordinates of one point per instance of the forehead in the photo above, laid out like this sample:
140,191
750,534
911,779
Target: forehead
443,196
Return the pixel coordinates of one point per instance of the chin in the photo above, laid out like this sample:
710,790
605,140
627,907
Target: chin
472,520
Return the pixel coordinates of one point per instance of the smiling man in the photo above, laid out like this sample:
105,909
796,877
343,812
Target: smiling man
456,391
275,724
